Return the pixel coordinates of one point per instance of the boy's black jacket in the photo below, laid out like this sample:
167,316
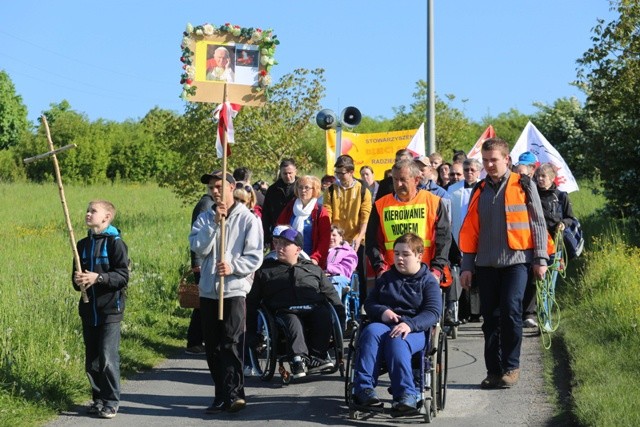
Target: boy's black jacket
105,254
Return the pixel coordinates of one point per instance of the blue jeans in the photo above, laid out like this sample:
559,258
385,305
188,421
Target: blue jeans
339,283
102,361
375,346
501,294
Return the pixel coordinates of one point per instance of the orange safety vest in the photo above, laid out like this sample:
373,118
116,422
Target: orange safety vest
519,236
418,216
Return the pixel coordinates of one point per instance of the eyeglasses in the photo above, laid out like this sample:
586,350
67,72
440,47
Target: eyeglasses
340,172
470,170
304,187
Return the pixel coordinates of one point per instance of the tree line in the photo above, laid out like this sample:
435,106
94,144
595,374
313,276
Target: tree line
598,139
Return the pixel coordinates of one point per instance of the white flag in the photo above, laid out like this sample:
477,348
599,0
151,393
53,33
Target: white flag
532,140
416,146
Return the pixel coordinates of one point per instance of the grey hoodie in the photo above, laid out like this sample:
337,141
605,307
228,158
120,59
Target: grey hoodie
243,250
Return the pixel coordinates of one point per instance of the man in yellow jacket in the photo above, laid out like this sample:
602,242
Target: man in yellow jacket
503,236
348,203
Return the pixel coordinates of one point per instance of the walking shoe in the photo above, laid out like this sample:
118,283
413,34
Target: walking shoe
107,412
367,397
195,349
510,378
317,365
216,407
298,368
529,322
449,319
250,371
492,381
237,405
95,407
407,402
474,318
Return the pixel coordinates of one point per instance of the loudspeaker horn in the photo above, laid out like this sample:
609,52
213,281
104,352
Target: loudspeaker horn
350,117
327,119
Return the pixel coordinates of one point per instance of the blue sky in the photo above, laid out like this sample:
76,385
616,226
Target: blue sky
118,59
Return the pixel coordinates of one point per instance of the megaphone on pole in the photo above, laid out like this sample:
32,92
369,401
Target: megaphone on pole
327,119
350,117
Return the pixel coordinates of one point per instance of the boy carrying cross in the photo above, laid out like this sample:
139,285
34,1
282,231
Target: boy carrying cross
105,274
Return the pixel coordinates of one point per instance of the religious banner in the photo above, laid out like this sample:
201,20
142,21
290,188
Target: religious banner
376,150
532,140
226,64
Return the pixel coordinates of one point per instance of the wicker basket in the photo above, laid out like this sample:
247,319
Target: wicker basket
188,293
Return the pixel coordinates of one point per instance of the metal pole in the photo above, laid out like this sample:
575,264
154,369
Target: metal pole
338,140
431,102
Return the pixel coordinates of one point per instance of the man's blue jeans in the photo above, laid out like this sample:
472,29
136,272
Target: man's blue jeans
376,345
501,294
102,361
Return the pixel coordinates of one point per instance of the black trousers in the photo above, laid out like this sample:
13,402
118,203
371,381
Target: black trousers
317,320
223,342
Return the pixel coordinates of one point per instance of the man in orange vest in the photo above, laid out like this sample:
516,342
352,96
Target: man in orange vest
502,237
409,209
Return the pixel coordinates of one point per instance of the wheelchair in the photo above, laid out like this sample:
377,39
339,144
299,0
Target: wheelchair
351,302
430,366
273,348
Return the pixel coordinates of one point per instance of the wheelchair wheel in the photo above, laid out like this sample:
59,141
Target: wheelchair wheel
351,357
442,367
264,356
337,342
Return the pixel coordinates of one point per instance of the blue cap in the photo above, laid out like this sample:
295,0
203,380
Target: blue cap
527,158
287,233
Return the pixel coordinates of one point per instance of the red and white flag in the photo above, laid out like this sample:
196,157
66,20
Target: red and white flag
532,140
416,146
224,114
475,150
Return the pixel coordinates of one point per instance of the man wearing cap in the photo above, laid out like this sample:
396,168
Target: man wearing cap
242,256
295,289
527,164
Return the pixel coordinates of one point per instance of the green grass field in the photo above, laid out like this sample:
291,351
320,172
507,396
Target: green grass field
600,315
41,349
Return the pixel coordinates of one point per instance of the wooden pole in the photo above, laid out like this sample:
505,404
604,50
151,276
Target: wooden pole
223,218
63,200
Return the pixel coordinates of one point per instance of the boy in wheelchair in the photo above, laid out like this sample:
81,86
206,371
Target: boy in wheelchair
295,291
405,302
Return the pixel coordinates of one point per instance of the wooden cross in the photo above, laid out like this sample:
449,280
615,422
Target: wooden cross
52,153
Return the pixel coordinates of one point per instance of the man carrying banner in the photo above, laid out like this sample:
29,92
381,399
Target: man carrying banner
503,234
408,209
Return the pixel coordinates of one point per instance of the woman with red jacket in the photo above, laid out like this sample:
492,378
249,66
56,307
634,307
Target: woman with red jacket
309,218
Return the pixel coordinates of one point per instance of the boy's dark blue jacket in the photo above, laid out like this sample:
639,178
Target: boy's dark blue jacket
105,254
416,299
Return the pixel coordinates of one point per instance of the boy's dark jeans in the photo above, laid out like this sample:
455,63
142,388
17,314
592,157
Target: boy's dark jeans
501,294
102,361
224,346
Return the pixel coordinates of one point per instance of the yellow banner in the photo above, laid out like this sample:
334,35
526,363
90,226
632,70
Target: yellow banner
376,150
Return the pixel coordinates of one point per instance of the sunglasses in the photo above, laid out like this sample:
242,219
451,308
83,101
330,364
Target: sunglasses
245,187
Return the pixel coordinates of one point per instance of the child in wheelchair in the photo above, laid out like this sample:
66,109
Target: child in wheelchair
294,290
342,261
405,302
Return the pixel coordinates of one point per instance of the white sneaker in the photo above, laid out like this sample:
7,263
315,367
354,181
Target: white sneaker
530,323
250,371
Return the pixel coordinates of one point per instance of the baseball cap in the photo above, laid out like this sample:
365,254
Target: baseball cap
289,234
527,158
217,175
424,160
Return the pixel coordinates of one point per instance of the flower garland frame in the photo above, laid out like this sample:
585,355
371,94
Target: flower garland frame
265,40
